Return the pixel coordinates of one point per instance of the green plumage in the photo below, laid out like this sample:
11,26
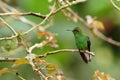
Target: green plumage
82,43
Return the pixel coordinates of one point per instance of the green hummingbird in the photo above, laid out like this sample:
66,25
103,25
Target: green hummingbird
82,43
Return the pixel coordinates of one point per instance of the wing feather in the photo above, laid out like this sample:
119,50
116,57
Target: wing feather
88,47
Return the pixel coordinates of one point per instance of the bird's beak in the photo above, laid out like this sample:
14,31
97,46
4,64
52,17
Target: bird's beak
69,30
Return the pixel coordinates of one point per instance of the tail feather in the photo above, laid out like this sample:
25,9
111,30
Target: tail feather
86,57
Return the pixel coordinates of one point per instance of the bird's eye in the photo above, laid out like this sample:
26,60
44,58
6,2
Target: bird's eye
75,30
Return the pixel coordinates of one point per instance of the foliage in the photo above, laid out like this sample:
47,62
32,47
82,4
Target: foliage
35,35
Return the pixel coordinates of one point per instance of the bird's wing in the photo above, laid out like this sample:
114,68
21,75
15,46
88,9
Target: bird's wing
88,44
88,47
84,56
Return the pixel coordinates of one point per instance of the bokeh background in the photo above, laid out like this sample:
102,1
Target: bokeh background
107,56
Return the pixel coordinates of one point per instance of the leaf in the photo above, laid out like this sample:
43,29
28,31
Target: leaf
7,45
102,76
52,43
51,68
43,62
4,71
72,16
38,61
98,24
59,76
46,34
49,38
20,62
41,34
94,23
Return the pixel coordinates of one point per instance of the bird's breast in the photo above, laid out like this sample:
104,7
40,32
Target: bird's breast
81,43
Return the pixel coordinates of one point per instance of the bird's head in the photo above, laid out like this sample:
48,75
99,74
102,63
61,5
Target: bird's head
76,30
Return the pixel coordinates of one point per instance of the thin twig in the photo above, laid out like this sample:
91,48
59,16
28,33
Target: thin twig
50,23
37,45
14,32
98,33
18,75
23,14
24,44
6,8
64,50
67,5
114,5
31,29
6,38
39,73
109,40
46,54
8,59
46,18
54,12
38,14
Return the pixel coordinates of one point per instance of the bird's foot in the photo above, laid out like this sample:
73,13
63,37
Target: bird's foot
88,52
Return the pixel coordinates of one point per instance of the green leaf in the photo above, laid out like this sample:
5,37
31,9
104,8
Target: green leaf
7,45
20,62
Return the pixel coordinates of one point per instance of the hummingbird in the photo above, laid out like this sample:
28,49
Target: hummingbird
82,43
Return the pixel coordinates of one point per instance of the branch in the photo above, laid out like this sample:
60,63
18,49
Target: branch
92,29
54,12
46,18
39,73
109,40
64,50
41,44
18,75
14,59
46,54
6,38
23,14
15,33
37,14
99,35
67,5
114,5
8,9
8,59
37,45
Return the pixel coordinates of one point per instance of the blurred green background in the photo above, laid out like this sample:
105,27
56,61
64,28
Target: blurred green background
107,56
